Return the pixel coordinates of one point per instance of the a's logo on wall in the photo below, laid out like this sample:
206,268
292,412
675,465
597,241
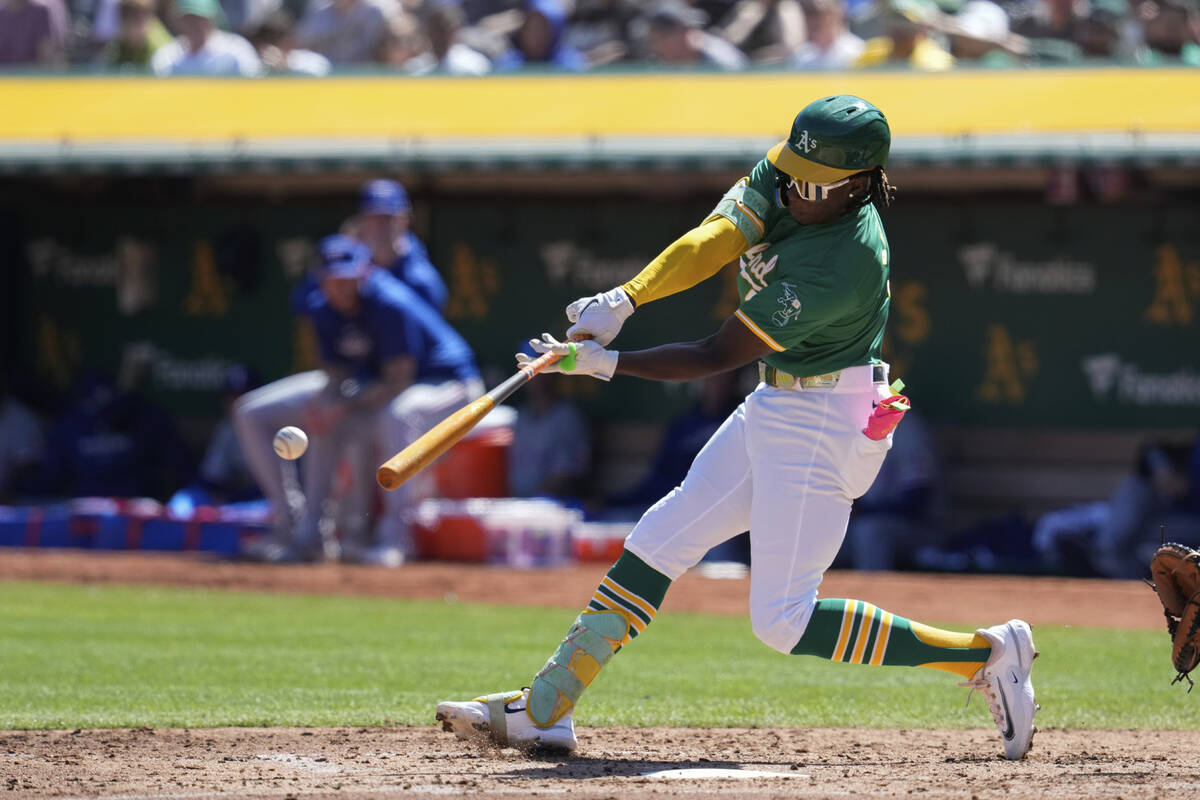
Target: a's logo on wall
789,303
806,142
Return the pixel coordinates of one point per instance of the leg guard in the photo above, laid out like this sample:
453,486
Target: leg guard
589,645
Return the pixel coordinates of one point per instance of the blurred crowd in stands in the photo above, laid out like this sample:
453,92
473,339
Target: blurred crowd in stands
476,37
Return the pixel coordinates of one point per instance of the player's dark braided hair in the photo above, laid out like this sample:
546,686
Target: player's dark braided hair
879,191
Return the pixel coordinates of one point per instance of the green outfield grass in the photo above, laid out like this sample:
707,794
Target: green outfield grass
99,656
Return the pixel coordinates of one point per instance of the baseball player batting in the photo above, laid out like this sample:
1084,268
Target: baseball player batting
790,460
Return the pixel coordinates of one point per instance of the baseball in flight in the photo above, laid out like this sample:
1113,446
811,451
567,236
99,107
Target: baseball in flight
290,443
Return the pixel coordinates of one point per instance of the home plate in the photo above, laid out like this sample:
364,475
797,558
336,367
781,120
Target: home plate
703,774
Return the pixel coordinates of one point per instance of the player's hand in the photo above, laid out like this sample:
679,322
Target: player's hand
589,357
886,416
599,316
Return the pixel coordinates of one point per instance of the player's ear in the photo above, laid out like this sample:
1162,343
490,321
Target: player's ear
859,185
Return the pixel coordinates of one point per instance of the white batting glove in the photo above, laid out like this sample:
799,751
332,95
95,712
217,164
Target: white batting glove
589,359
599,316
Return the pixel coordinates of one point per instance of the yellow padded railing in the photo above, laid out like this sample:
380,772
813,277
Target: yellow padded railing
42,109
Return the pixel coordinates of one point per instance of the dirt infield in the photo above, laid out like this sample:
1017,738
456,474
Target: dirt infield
612,762
419,762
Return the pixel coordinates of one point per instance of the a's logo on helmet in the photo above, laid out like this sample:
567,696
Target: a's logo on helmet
805,142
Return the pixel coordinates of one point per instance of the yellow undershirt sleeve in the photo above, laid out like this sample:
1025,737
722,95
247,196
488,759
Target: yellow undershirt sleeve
698,254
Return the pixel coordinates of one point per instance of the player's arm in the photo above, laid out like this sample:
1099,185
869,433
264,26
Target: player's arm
738,222
696,256
732,346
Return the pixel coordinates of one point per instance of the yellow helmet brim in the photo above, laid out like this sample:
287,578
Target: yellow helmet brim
802,169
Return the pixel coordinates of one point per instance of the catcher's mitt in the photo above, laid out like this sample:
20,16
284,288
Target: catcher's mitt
1176,572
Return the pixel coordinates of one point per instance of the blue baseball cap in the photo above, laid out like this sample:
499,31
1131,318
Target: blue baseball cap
343,257
383,196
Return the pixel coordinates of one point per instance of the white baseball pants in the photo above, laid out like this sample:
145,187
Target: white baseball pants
786,465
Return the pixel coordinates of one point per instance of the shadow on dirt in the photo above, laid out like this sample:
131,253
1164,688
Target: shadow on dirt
583,767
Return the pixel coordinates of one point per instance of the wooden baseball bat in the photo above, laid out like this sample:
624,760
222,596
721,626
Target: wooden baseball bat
441,437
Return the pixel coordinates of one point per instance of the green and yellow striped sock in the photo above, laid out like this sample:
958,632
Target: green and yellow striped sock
622,606
855,632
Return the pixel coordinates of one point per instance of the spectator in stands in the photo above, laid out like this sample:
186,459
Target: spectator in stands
979,35
1099,33
139,36
830,43
201,49
1051,28
22,445
346,31
768,31
447,54
275,43
1119,535
907,25
245,17
676,36
903,509
600,29
539,40
33,33
538,463
383,225
403,41
1172,31
479,10
714,9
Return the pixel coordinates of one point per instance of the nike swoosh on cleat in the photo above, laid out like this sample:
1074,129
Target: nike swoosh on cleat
508,710
1008,732
1014,677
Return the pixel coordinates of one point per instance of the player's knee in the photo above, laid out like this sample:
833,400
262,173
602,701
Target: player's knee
780,627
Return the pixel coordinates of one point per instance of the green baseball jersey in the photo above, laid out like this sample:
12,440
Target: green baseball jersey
817,294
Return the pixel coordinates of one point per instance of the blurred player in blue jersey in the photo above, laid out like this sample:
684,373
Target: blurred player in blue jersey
382,224
391,368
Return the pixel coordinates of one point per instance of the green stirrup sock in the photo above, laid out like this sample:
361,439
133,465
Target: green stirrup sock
855,632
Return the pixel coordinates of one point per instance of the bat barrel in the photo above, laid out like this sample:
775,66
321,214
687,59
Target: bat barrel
424,451
441,437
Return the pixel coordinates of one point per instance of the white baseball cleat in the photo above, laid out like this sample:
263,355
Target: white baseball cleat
502,718
1005,683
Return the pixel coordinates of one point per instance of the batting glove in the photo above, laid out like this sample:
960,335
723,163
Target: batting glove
579,358
886,416
599,316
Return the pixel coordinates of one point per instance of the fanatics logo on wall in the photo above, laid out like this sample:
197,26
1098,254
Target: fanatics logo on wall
790,303
1111,377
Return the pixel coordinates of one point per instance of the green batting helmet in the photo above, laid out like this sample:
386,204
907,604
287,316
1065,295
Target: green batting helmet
832,139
